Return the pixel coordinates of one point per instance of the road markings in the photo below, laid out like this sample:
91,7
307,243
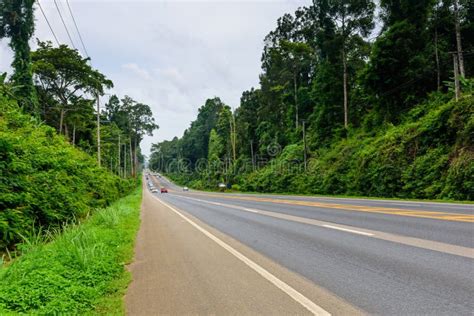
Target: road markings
456,217
294,294
405,240
348,230
251,210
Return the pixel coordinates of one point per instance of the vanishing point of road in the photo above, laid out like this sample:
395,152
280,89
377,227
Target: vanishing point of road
214,253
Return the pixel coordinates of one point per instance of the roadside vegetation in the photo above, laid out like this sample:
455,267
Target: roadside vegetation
44,181
76,269
69,203
61,157
355,98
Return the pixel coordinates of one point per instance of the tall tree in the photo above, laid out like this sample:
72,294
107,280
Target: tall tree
457,27
401,67
62,73
17,23
140,123
351,18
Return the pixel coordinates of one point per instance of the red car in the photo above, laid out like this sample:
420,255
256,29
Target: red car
164,190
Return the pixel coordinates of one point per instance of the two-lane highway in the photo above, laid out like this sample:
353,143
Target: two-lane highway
382,257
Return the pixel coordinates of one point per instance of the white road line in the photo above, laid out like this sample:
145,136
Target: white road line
294,294
259,212
348,230
251,210
410,241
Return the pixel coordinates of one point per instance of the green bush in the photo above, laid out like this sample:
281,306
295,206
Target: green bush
45,181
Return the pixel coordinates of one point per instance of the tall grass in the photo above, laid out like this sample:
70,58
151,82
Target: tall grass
79,269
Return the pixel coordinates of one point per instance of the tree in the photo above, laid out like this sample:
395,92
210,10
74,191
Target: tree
63,74
352,19
400,70
139,122
17,23
246,118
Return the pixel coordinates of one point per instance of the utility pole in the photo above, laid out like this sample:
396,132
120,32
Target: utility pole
132,170
304,142
119,145
457,89
98,128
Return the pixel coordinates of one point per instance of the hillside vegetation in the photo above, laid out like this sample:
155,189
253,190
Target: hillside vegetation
429,155
354,98
45,181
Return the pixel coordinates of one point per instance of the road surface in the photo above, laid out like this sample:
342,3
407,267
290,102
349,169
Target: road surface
212,253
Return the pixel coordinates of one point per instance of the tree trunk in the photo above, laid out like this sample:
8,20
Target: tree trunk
438,71
66,132
61,120
118,156
125,160
296,100
344,63
251,153
458,38
74,135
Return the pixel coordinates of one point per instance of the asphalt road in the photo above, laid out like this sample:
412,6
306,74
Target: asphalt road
376,256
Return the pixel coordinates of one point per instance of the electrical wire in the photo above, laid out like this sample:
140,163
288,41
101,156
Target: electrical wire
47,21
77,29
64,23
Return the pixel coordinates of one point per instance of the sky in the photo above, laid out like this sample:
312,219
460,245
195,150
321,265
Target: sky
171,55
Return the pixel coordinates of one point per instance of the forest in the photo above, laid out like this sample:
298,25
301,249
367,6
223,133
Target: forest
63,154
356,97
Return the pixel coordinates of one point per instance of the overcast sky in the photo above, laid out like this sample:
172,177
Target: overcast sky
172,55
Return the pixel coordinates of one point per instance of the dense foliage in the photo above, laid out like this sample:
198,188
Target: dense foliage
374,117
44,181
80,271
50,172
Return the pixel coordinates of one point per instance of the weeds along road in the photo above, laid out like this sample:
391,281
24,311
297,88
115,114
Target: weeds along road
216,253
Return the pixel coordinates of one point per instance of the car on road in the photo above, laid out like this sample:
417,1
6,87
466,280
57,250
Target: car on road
164,190
185,189
154,190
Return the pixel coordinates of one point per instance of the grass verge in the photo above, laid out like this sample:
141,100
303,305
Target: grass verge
81,271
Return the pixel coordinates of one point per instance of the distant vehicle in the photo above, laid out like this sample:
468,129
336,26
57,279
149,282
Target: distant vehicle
154,190
164,190
222,185
185,189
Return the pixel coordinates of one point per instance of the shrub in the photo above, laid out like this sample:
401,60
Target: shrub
45,181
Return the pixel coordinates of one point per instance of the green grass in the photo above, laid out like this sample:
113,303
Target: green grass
81,270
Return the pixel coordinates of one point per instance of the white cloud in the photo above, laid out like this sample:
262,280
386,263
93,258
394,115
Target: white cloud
172,55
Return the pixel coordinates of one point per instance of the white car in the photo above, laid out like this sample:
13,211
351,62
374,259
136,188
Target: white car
185,189
154,190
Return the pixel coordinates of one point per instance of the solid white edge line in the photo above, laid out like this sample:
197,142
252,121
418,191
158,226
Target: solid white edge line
294,294
349,230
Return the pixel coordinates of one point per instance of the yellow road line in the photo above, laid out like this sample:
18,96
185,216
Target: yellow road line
455,217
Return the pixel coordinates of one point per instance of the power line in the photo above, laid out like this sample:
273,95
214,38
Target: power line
47,21
64,23
77,29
